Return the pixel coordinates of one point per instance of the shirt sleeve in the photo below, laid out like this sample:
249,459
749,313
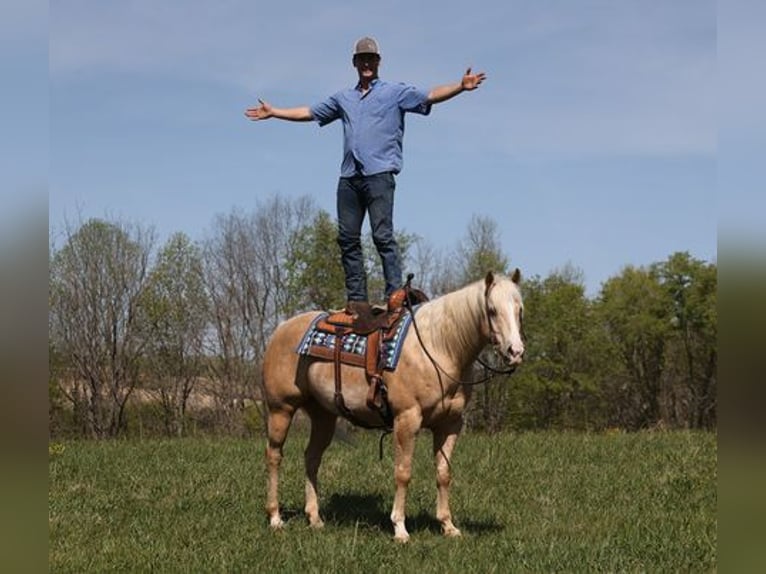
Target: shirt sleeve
326,111
412,99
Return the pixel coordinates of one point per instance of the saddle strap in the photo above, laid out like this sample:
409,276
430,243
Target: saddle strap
339,402
377,395
372,363
373,370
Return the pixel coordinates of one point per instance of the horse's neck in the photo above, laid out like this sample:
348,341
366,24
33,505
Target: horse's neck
455,325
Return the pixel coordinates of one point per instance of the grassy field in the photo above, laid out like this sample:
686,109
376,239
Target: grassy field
539,502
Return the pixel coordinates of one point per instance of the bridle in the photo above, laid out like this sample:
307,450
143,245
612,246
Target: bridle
493,336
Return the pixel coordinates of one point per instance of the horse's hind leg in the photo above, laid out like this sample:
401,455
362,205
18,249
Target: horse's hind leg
278,425
444,443
322,431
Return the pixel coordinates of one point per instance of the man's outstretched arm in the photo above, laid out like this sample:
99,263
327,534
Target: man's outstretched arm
265,111
467,83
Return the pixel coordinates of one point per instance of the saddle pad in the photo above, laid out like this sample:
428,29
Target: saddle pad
320,344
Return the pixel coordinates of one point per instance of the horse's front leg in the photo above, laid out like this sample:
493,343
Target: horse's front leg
406,426
445,438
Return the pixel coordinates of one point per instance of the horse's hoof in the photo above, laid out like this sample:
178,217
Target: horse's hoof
316,524
276,523
400,532
452,532
402,537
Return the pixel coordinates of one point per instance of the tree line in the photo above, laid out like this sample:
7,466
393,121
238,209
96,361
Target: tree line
168,339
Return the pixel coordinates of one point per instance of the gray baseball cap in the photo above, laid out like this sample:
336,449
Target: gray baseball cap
366,45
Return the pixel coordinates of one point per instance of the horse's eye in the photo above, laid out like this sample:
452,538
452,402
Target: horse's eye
492,312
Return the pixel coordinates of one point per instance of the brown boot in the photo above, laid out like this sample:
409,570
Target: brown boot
364,319
360,309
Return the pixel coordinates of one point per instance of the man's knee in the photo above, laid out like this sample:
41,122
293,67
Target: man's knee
348,240
385,240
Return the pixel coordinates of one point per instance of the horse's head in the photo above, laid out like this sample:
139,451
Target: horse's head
505,311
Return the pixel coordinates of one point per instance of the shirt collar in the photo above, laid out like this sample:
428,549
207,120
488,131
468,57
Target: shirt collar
372,84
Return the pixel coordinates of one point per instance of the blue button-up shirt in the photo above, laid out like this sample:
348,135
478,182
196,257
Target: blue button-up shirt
373,124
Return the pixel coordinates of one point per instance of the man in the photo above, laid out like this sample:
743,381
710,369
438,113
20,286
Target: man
372,113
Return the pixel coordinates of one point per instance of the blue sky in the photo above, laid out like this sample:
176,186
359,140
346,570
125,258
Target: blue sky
592,142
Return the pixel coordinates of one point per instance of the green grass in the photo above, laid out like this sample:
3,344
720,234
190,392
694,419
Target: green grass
531,502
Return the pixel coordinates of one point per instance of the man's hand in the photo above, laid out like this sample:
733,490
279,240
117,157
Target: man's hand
262,112
266,111
468,82
471,81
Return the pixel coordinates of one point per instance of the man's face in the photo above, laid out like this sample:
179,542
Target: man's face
367,65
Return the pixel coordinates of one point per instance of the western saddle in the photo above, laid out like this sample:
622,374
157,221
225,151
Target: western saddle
378,324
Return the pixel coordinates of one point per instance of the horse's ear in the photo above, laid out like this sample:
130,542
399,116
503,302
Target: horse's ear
516,277
488,281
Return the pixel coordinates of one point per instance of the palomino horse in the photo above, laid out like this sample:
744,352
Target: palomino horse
425,390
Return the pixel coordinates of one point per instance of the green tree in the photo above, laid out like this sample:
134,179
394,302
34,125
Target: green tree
691,287
636,315
175,318
315,273
558,385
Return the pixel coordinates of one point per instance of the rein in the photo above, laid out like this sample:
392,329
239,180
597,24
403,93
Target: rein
439,369
493,370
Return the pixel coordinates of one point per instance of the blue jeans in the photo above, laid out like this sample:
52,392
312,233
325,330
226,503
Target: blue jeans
358,195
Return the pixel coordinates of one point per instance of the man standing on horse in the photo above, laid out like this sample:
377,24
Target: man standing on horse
372,113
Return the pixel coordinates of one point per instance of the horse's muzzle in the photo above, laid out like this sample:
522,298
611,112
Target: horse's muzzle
514,355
